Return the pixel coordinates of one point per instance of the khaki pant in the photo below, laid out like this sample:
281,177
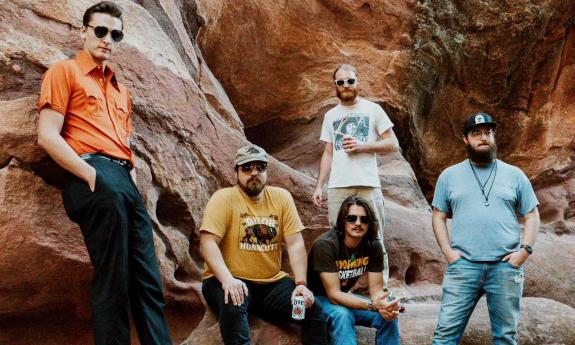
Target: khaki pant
374,196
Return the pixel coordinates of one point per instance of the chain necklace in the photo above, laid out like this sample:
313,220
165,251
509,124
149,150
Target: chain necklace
353,253
483,185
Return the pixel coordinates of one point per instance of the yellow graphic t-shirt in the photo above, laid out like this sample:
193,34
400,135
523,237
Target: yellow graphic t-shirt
252,231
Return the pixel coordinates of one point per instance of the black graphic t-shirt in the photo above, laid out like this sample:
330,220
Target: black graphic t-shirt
329,254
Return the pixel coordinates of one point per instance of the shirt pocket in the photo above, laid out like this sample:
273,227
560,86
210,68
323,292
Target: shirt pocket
94,101
122,115
505,193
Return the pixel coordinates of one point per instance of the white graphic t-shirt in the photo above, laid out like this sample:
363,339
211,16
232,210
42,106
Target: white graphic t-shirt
365,121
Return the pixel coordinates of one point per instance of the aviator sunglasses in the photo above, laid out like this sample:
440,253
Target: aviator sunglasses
249,167
102,31
352,218
341,82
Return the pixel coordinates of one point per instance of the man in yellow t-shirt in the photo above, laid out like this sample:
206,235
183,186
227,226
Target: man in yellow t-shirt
240,240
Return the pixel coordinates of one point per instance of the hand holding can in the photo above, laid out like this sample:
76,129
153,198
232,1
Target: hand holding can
348,143
298,308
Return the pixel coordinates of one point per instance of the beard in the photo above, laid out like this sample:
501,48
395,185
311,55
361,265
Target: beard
346,95
252,189
482,157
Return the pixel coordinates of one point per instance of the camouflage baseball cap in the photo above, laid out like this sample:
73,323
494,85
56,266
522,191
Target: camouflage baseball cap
251,153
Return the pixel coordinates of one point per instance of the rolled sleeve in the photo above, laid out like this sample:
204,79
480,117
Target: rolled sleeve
375,263
55,90
326,129
440,196
382,121
291,222
216,215
527,198
323,257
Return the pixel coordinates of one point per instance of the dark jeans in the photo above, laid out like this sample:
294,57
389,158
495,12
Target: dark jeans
271,302
118,235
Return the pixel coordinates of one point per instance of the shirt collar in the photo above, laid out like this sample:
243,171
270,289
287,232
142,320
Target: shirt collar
87,65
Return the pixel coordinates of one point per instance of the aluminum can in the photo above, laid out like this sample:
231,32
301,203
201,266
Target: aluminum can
298,308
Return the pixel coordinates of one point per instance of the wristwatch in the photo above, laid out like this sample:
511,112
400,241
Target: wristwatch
527,248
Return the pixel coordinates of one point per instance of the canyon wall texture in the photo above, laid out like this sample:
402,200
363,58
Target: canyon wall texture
207,76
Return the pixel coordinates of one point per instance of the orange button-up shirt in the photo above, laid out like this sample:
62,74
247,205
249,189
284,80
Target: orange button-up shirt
96,108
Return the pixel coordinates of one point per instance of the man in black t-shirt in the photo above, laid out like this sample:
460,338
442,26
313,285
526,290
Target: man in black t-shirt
336,261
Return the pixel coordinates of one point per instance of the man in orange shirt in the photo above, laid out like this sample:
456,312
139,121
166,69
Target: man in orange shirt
85,122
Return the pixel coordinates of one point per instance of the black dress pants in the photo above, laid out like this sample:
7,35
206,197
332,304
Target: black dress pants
118,235
271,302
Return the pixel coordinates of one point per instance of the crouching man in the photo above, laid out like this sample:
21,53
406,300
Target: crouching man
337,260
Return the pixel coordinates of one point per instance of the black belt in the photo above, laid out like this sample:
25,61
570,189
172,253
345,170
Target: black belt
124,163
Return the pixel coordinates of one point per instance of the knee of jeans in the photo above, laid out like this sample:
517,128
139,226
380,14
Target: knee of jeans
339,314
230,310
379,322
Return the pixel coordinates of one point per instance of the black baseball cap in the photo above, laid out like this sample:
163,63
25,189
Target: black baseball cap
478,119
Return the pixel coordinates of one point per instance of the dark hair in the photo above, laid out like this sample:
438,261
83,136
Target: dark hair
372,225
345,66
107,7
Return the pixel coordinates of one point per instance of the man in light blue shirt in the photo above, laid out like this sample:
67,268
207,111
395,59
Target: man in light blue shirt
484,197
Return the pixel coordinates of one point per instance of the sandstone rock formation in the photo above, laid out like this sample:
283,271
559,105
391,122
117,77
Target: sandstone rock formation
187,131
543,322
428,63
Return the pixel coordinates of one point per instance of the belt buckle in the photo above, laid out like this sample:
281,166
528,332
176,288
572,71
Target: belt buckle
121,162
117,161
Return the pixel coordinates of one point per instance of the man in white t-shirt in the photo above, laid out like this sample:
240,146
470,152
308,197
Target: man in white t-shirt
354,131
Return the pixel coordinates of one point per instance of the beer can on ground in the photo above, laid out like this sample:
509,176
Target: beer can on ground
298,309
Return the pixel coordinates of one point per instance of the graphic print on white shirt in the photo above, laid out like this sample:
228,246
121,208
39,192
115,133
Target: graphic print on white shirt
355,125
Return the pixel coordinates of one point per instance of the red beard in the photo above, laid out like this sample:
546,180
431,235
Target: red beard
346,95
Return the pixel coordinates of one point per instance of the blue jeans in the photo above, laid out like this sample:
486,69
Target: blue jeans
341,323
464,283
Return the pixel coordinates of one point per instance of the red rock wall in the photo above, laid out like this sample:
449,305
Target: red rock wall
428,63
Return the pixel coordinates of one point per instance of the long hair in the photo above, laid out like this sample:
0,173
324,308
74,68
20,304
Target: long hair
372,224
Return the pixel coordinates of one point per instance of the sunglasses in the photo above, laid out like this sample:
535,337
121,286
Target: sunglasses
352,218
249,167
341,82
102,31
